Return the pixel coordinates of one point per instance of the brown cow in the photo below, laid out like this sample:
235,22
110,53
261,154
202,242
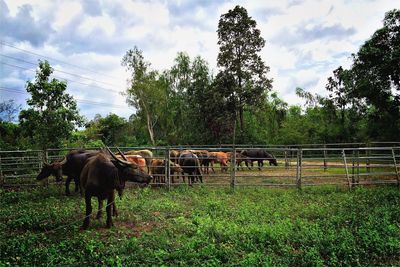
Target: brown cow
174,155
158,170
135,159
239,159
145,153
221,158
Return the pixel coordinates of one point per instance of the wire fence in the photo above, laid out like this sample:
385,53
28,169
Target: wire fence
351,164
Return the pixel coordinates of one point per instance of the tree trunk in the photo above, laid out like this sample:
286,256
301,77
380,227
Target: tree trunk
150,128
149,124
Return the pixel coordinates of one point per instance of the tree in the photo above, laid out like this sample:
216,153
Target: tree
147,90
240,44
376,73
53,114
111,130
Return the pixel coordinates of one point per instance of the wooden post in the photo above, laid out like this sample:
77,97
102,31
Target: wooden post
367,154
167,169
46,159
325,156
299,167
395,168
353,164
233,168
347,170
286,160
358,167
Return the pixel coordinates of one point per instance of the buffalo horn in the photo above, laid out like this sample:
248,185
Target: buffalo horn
122,154
117,159
63,161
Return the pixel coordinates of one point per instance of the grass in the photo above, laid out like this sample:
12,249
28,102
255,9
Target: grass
325,226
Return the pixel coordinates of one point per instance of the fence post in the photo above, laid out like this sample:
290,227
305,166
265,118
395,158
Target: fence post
358,166
347,170
167,169
353,178
299,167
395,167
233,168
367,154
325,156
46,159
286,159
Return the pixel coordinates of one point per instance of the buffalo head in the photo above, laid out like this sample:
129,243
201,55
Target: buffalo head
54,169
129,171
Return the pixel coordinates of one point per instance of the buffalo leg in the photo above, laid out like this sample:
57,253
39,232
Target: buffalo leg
260,164
77,184
100,210
67,182
114,211
110,201
88,203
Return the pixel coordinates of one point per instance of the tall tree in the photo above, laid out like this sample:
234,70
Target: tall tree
53,114
375,79
240,44
147,91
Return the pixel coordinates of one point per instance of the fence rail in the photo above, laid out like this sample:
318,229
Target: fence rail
297,166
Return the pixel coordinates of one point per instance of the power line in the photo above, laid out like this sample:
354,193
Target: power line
63,62
83,101
62,78
61,71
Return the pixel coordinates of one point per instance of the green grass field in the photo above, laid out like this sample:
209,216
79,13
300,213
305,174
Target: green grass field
325,226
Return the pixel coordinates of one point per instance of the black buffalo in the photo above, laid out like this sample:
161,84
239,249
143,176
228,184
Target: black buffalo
190,164
258,155
101,176
71,166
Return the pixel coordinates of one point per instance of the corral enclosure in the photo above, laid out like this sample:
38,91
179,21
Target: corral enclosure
348,164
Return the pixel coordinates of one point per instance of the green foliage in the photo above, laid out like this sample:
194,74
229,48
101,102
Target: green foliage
53,114
240,44
147,91
203,226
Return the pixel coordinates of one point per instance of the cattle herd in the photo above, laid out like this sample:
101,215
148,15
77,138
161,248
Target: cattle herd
99,173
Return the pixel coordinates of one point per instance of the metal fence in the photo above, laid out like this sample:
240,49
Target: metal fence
297,166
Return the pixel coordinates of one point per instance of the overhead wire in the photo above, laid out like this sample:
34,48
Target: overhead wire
83,101
63,78
63,62
57,70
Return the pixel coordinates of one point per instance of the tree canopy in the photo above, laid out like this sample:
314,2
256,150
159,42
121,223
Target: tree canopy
52,114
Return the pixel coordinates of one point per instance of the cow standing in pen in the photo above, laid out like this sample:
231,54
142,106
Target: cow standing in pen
190,164
71,166
101,176
259,155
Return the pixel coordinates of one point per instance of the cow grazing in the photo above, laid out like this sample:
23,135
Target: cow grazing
101,176
221,158
158,170
258,155
190,164
239,159
71,166
145,153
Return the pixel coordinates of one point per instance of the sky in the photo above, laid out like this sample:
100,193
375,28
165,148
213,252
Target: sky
85,40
